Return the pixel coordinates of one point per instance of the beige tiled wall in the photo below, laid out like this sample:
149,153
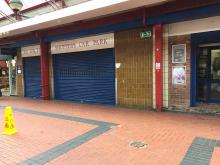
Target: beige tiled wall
19,77
153,75
134,77
51,74
165,67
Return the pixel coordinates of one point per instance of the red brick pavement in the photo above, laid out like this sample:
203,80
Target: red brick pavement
167,135
215,157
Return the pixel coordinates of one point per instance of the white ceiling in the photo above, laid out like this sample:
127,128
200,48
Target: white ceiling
87,10
30,3
5,8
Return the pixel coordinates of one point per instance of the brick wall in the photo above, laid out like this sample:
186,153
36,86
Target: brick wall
134,77
179,95
3,64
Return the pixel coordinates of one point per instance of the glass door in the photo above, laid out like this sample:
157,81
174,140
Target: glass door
208,74
202,74
215,75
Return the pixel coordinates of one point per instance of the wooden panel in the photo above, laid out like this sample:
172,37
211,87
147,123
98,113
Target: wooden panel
134,77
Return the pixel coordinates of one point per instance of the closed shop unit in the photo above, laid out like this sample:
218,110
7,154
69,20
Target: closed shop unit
85,76
32,72
84,69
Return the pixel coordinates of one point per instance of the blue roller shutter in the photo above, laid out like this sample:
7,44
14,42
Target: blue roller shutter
32,77
85,76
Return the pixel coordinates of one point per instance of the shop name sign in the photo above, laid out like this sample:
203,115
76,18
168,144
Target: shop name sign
83,44
30,51
8,51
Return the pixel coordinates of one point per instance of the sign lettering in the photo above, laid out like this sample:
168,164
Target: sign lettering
83,44
30,51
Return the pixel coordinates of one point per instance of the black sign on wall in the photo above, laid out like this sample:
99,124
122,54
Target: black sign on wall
8,51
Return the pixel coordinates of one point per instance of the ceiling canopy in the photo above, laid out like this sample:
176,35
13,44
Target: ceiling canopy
83,10
6,10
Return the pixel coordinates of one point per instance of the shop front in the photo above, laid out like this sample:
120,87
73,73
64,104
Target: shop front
8,71
208,74
32,71
201,87
206,58
84,69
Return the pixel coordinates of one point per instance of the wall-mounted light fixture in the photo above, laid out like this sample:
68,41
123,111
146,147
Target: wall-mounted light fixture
15,5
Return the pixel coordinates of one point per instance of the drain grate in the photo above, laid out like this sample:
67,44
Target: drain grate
137,144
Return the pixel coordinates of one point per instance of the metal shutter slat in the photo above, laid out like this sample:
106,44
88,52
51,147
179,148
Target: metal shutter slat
85,76
32,77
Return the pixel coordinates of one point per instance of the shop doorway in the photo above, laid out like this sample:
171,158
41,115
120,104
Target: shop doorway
8,77
12,77
208,74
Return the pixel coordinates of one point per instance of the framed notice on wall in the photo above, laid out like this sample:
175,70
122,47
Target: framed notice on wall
179,53
179,75
19,69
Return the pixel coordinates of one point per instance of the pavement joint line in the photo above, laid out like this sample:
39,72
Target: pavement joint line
61,149
65,117
66,146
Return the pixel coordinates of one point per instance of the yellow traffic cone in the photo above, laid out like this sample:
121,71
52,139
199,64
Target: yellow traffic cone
9,125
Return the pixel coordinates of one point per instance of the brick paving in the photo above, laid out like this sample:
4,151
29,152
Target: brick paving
36,134
215,157
100,135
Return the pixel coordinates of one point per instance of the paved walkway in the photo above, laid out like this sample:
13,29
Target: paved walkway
64,133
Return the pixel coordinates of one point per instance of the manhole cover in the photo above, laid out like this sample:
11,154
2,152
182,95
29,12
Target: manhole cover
137,144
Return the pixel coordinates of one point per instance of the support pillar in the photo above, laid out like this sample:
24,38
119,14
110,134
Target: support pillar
44,59
158,32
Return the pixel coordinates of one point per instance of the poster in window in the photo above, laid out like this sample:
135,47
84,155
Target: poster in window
179,75
179,53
